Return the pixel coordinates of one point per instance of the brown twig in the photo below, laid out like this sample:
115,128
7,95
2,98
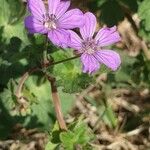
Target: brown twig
56,101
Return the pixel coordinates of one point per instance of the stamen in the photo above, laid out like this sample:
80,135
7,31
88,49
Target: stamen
89,46
51,22
50,25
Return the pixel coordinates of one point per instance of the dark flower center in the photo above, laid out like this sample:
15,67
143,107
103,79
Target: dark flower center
50,22
89,46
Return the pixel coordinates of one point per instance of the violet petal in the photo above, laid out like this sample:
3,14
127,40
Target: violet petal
34,25
87,31
107,36
90,64
62,8
52,6
59,37
71,19
75,40
37,9
108,57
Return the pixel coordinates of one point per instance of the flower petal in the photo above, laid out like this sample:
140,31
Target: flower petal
52,6
87,31
34,25
62,8
108,57
75,41
90,64
71,19
107,36
59,37
37,8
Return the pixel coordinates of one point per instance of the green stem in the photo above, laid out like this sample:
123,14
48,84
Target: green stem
45,60
64,60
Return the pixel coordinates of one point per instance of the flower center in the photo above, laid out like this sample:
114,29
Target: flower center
89,46
51,22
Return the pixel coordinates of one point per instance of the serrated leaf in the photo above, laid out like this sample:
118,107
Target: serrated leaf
82,135
68,140
69,74
78,134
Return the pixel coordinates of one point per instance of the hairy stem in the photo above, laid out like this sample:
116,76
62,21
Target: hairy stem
56,102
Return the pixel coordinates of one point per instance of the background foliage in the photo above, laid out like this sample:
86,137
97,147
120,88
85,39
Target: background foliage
20,51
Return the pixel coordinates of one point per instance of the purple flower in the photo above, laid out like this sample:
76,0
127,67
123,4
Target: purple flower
54,20
90,46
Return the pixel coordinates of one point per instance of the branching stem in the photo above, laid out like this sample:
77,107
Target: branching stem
26,74
55,96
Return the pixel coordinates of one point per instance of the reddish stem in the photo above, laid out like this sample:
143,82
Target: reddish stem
57,103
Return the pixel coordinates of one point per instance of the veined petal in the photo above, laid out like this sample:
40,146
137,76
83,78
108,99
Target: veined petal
108,57
90,64
37,9
62,8
34,25
107,36
52,6
71,19
75,41
87,31
59,37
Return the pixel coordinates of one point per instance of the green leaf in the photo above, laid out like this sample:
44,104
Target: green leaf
144,13
51,146
43,109
78,134
69,74
11,21
143,33
82,135
68,139
110,117
7,97
39,112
